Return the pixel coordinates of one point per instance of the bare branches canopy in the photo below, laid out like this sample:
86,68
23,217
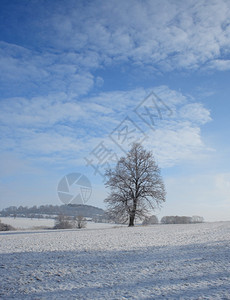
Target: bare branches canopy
136,186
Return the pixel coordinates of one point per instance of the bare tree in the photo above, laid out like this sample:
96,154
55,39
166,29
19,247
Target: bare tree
80,222
136,186
63,222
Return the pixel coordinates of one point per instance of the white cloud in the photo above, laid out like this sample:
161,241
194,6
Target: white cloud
180,35
45,72
99,81
219,64
63,126
195,112
172,146
40,111
17,62
172,36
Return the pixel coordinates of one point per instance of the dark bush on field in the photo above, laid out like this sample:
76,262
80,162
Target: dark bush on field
6,227
64,222
80,222
67,222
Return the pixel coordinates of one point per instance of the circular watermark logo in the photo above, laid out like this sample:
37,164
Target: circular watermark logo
74,188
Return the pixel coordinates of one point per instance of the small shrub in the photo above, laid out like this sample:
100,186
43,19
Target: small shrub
6,227
80,222
64,222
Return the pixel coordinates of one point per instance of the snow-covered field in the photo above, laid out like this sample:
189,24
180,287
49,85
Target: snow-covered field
154,262
27,223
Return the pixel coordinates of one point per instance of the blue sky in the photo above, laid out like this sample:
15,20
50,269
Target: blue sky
75,73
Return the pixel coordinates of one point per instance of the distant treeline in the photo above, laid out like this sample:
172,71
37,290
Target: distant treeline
51,211
173,220
181,220
87,211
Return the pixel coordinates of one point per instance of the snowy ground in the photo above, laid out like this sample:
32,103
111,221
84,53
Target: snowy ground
27,223
154,262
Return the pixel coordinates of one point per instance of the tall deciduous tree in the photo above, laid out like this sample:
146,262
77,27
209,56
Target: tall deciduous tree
136,186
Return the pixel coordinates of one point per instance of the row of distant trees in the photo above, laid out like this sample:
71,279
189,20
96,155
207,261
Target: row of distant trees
173,220
67,222
51,211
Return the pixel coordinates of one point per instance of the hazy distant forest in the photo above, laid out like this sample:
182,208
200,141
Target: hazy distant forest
92,213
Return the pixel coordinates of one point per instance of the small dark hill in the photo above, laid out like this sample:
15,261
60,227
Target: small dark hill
52,211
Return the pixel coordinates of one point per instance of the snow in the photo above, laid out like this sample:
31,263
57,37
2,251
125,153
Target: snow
153,262
27,223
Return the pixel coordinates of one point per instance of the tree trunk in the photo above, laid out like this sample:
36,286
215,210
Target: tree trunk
131,220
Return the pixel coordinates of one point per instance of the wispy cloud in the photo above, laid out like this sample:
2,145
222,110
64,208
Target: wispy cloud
219,64
173,35
195,112
61,126
177,145
44,72
80,38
